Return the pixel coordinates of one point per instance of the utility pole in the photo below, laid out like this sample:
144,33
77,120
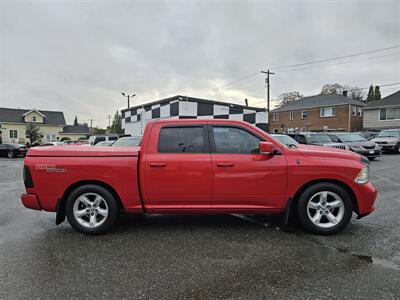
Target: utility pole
91,125
128,96
268,72
109,122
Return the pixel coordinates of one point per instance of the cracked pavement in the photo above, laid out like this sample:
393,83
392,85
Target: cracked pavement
193,257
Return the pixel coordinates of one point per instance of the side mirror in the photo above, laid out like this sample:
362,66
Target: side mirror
266,148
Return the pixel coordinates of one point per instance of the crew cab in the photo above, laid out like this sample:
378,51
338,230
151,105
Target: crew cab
199,167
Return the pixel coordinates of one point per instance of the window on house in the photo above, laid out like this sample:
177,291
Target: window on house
13,134
34,119
389,113
327,112
291,115
276,117
359,112
354,111
51,137
303,114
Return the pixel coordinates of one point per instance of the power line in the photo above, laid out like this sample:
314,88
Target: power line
335,58
339,63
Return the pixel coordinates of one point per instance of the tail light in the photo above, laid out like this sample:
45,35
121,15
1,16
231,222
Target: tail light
27,177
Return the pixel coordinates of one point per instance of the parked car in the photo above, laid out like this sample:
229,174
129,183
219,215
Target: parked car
104,143
388,140
52,144
357,144
317,139
368,135
13,150
94,139
130,141
199,166
285,139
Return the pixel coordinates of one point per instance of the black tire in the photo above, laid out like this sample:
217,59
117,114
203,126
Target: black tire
11,154
397,149
112,206
307,195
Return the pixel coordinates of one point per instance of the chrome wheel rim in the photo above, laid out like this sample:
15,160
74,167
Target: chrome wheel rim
325,209
10,154
90,210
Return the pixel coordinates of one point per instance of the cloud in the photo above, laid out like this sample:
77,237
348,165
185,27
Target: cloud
79,56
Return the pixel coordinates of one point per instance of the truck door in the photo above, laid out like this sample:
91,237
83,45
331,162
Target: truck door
178,168
243,179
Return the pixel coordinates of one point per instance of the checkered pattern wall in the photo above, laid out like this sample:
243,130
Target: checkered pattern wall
135,119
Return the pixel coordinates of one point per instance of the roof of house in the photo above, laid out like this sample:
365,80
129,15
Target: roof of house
193,99
392,99
77,129
16,115
318,101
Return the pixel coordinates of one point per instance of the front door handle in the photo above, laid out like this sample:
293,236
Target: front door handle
225,164
158,165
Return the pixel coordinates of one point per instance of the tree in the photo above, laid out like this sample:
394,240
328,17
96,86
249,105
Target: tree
332,88
289,97
97,130
371,94
76,121
33,133
355,93
377,93
116,126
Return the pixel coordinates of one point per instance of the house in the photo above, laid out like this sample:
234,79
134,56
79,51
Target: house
383,114
13,124
329,112
134,119
75,132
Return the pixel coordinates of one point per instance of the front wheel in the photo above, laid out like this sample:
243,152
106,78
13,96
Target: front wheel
91,209
397,148
11,154
325,208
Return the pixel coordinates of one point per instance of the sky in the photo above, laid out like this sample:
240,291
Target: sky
78,56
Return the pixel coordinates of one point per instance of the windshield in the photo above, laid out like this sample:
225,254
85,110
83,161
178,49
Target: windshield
318,138
351,137
284,139
127,142
389,133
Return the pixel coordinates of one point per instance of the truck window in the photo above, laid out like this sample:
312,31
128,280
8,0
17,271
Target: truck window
181,139
233,140
112,138
99,139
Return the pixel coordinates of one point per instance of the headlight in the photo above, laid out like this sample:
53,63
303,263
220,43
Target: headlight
363,176
355,147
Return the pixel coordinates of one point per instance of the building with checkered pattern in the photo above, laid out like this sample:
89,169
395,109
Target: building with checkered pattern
134,119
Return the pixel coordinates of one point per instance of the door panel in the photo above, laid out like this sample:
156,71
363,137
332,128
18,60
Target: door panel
178,180
243,179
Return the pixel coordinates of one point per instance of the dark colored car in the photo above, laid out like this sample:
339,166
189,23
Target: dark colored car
12,150
368,135
131,141
317,139
357,144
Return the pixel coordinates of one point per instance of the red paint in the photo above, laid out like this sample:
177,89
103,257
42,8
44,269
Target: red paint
189,182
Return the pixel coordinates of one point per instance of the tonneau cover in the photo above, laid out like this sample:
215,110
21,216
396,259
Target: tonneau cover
83,151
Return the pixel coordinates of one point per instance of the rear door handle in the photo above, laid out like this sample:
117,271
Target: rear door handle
225,164
158,165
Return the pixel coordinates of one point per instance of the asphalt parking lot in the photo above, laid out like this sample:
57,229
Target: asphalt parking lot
199,256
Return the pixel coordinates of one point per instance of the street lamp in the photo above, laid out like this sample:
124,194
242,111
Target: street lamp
128,96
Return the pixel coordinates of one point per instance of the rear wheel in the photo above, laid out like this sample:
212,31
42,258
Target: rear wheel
91,209
397,148
325,208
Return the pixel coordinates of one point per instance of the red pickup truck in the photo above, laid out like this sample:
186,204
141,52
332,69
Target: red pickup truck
199,166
